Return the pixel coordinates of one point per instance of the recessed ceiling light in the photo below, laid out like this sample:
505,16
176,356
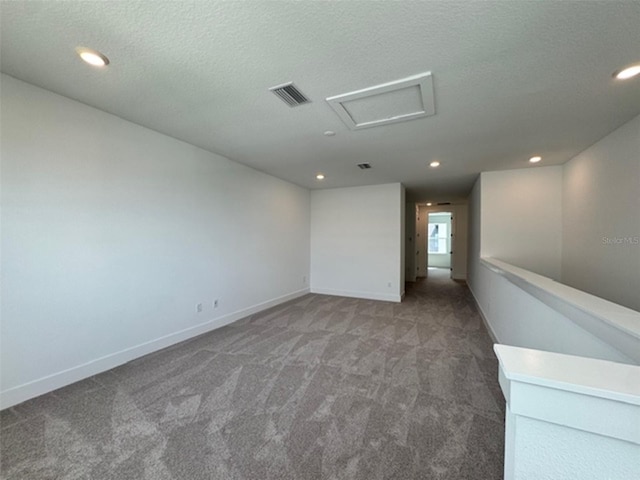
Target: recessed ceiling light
535,159
434,164
429,204
627,72
320,176
92,57
329,133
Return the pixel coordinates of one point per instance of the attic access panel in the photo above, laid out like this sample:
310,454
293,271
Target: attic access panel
398,101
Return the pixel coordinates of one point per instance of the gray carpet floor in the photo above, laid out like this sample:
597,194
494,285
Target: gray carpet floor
319,388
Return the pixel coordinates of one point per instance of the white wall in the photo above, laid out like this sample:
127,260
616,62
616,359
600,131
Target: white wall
532,199
547,451
356,241
422,218
601,218
515,317
460,239
410,242
440,260
403,240
521,218
111,233
569,417
473,250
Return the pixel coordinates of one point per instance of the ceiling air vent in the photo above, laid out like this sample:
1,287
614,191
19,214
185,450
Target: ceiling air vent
443,203
364,166
290,95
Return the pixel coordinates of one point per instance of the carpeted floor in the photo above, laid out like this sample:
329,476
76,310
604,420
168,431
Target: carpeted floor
319,388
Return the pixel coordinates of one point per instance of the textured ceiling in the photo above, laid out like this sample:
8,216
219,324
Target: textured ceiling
511,79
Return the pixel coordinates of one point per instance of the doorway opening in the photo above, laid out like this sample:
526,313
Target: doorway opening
439,235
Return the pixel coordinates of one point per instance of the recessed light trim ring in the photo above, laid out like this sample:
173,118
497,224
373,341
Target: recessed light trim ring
92,57
627,72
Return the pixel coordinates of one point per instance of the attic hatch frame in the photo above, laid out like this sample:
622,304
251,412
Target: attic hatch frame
424,81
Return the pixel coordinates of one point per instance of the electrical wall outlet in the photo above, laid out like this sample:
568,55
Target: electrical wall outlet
198,308
215,303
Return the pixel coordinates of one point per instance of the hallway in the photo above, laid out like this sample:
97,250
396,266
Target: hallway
319,388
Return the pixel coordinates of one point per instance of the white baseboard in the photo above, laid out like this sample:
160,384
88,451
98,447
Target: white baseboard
20,393
487,325
387,297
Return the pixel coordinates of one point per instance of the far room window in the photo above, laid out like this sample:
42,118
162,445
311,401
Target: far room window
438,237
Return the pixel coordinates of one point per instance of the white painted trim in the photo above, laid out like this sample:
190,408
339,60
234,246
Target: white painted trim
509,441
613,324
424,81
554,399
366,295
561,389
61,379
588,376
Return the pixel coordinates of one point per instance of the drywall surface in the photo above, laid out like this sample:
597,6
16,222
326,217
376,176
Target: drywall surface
403,240
569,417
601,218
113,233
422,218
516,317
460,240
410,242
473,244
440,260
521,218
570,453
356,236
